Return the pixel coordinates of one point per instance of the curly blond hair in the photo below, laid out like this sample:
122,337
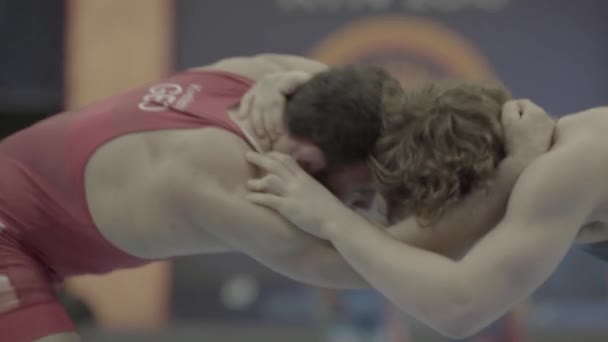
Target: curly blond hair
447,141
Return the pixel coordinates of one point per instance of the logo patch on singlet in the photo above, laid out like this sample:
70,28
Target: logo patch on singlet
162,96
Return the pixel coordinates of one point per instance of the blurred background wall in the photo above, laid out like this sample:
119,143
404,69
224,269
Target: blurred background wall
60,55
109,47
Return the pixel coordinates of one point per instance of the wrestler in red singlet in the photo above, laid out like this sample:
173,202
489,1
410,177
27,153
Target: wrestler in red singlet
47,231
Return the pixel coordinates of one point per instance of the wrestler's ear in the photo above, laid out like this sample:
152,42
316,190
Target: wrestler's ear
311,158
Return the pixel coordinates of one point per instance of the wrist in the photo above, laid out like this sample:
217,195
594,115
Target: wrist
509,171
515,163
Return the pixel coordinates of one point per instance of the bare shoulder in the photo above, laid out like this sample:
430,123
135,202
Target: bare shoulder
598,118
592,122
566,177
570,157
597,110
601,110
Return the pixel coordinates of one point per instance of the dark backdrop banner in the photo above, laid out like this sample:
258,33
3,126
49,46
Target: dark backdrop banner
31,56
552,51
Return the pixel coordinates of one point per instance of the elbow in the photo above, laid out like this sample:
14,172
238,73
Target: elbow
459,317
459,325
457,330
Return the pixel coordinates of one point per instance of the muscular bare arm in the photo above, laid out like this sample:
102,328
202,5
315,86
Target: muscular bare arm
212,193
552,199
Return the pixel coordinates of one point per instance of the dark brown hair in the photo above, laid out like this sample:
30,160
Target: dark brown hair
446,141
340,111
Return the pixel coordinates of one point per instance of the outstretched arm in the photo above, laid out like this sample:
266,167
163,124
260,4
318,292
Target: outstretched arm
548,205
552,199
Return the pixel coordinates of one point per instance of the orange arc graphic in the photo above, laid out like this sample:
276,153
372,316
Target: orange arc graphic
420,37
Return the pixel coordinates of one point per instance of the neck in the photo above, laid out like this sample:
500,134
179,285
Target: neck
259,144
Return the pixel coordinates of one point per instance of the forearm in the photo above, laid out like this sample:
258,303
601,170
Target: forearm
429,286
458,229
456,298
320,266
294,63
423,284
296,255
258,66
302,258
490,205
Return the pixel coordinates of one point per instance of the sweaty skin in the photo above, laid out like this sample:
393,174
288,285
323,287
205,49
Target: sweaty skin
560,192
